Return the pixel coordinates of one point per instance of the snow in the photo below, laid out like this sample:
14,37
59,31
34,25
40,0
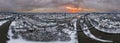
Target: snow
106,23
102,20
21,40
2,22
9,16
89,34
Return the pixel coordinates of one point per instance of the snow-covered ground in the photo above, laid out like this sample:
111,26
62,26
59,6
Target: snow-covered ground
19,24
3,19
59,28
2,22
21,40
108,23
86,30
89,34
5,16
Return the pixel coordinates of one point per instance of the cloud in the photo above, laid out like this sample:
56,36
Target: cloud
108,5
102,4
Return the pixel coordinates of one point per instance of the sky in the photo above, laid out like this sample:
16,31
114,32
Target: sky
107,5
